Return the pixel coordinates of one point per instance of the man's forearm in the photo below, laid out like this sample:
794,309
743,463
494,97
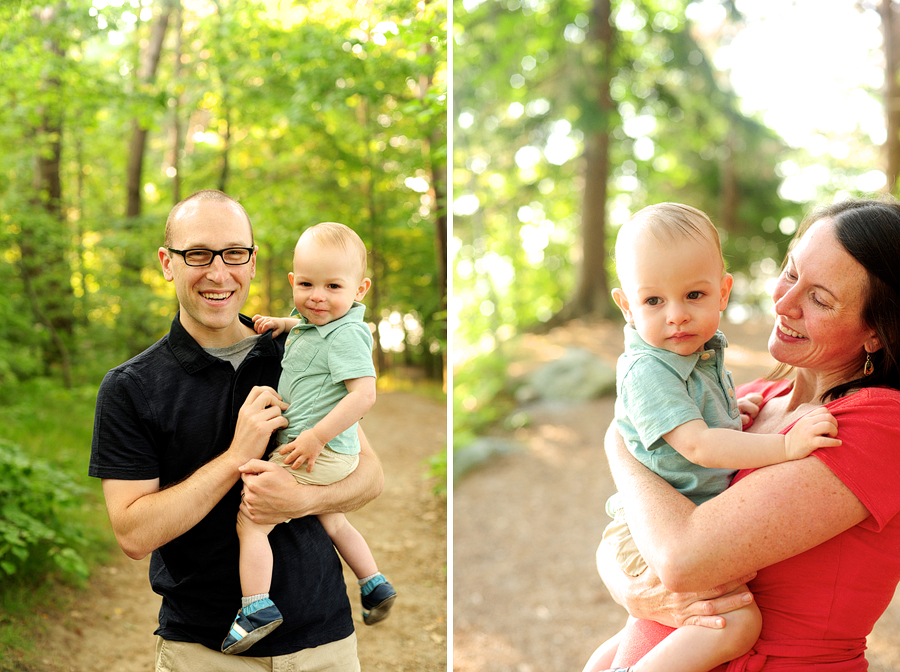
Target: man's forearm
145,518
352,493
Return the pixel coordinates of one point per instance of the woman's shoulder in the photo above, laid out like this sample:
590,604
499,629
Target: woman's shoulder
767,388
868,397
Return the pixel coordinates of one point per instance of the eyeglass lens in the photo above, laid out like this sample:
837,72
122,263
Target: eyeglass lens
234,256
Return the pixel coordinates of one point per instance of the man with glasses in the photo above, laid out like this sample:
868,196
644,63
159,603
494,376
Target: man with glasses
178,436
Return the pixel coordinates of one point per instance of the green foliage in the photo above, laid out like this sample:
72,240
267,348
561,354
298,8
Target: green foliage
334,115
34,499
480,395
50,510
437,469
526,100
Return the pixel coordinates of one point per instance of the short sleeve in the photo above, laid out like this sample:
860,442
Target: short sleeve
868,459
120,448
655,399
350,354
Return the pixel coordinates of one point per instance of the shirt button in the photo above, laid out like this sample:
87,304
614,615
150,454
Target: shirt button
731,393
705,356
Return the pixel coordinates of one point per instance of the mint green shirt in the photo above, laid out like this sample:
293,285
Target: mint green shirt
657,391
317,360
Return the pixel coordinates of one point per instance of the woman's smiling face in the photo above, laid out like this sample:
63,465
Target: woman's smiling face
818,304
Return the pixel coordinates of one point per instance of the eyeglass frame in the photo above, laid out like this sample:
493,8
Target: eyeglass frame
215,253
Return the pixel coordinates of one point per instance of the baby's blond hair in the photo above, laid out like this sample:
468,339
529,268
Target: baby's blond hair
668,222
341,236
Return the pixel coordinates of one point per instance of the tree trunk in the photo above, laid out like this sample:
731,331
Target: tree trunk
146,75
43,239
729,196
138,332
891,34
175,133
592,291
439,200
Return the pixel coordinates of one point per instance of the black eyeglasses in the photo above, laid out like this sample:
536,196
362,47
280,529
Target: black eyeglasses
233,256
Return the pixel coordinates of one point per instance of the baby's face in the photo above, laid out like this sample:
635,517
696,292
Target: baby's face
673,292
325,282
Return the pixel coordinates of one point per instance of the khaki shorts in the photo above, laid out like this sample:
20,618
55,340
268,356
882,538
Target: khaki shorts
330,467
337,656
619,537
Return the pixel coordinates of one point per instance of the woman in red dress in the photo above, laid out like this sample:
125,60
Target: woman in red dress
821,534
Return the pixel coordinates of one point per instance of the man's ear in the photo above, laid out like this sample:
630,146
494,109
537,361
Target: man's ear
621,300
166,262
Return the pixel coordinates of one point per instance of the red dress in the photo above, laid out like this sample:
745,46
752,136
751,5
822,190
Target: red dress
818,607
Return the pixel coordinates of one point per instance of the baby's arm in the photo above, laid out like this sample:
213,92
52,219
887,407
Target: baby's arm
309,444
726,449
262,323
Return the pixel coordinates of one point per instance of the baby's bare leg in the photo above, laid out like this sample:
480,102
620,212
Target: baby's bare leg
696,649
256,562
602,658
350,544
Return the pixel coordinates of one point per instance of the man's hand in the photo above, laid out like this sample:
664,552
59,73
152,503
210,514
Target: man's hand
306,448
269,493
260,415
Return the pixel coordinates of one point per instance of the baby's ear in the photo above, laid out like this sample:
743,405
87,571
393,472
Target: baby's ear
363,288
621,300
727,284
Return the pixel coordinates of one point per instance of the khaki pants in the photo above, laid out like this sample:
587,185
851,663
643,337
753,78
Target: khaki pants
330,467
337,656
619,537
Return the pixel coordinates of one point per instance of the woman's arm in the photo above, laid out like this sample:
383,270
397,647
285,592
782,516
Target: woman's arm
644,596
772,514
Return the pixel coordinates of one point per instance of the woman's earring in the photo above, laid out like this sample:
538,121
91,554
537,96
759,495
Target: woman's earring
869,367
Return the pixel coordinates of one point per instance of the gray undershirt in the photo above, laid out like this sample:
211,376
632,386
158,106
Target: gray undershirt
235,353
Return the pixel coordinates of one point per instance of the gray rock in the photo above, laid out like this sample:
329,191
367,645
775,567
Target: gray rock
579,375
479,451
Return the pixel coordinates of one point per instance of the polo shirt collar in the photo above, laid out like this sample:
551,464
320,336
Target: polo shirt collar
681,364
194,358
355,314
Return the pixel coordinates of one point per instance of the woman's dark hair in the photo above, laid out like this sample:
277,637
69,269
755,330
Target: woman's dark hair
870,232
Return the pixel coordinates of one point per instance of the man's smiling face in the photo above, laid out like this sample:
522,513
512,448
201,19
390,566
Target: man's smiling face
210,297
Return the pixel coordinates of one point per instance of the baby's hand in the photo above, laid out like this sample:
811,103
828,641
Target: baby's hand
814,430
262,324
304,449
749,407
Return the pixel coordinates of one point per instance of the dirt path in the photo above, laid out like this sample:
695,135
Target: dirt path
527,597
111,630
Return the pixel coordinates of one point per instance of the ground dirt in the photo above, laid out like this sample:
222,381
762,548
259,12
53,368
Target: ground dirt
526,594
111,629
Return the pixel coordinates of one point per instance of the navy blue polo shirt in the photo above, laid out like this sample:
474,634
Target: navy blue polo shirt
162,415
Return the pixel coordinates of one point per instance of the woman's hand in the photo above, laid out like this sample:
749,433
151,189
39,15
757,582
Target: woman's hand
645,597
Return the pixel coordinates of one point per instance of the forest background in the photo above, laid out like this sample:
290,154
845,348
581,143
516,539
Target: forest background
111,111
569,116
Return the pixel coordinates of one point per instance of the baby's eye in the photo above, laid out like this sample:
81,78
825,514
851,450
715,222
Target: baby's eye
653,301
334,285
695,295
